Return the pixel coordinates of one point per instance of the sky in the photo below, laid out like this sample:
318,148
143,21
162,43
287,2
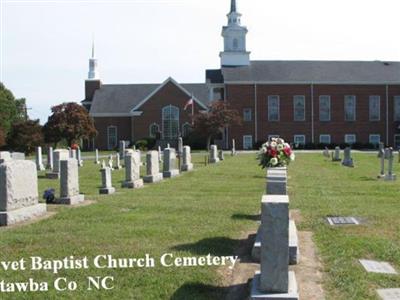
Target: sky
45,45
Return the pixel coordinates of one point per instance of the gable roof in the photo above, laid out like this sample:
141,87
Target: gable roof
345,72
124,99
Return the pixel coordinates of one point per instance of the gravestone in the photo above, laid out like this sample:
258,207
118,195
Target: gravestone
390,176
18,155
69,183
326,153
50,162
39,159
110,162
122,146
373,266
347,160
276,181
152,168
159,154
180,147
221,155
19,196
96,159
275,281
186,159
106,182
382,161
233,151
381,149
79,157
58,156
103,164
118,163
169,169
336,154
4,156
339,221
389,294
213,155
132,170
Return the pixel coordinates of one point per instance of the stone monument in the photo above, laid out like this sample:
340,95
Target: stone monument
186,159
39,159
170,169
106,182
347,160
152,168
132,170
69,183
58,156
213,156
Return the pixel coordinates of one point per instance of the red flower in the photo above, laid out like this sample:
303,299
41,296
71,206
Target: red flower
272,152
287,151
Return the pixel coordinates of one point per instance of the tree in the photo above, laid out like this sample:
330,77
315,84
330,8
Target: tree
69,121
11,109
25,136
211,123
2,137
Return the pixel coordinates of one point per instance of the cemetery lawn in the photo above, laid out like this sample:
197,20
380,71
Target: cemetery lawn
207,212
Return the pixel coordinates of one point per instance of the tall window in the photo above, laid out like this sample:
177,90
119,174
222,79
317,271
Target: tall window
112,138
396,108
374,108
299,107
247,115
324,108
273,108
170,119
186,129
153,130
349,108
247,142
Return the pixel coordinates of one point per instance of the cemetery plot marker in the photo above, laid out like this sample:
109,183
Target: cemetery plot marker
373,266
389,294
342,221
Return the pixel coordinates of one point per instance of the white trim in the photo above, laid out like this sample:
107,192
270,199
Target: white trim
299,135
369,138
346,136
330,108
169,79
294,108
325,135
251,138
131,114
108,136
314,82
355,107
279,108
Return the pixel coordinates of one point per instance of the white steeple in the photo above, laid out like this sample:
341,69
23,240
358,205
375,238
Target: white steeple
234,35
93,69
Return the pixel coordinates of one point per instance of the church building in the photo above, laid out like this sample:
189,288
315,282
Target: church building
304,102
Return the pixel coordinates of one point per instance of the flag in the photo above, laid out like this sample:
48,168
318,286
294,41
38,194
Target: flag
190,102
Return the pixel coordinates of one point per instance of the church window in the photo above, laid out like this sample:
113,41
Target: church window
170,118
273,108
247,142
374,108
349,108
247,116
397,108
349,138
154,129
186,129
325,108
299,106
112,138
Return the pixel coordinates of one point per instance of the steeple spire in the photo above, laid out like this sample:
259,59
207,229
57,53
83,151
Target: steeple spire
93,48
93,70
233,6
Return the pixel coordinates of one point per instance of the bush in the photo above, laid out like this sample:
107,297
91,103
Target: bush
145,144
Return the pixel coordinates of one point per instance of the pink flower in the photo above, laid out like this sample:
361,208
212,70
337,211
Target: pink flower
287,151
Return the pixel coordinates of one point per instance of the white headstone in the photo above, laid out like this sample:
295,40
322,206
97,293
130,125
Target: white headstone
96,160
39,159
152,168
50,162
132,170
186,159
58,156
170,169
213,156
69,183
106,182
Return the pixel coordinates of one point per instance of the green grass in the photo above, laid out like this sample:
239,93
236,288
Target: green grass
204,212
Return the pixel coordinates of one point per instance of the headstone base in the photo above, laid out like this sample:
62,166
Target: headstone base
153,178
292,293
294,252
186,168
391,177
41,168
107,191
71,200
23,214
52,175
137,184
348,163
276,187
171,173
213,160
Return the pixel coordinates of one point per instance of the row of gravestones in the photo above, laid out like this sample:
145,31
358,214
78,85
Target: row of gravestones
19,198
383,154
276,246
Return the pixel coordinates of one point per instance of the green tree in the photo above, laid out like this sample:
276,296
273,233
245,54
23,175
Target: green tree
25,136
2,137
11,109
210,124
69,121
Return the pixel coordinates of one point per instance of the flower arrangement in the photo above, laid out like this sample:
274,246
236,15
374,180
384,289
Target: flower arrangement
275,153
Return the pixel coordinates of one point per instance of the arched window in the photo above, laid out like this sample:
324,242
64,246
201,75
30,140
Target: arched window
186,129
170,121
112,138
153,130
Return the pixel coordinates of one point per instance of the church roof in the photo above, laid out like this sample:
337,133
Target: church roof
341,72
120,99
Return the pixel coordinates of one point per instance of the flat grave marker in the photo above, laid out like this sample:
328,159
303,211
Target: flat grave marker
373,266
389,294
